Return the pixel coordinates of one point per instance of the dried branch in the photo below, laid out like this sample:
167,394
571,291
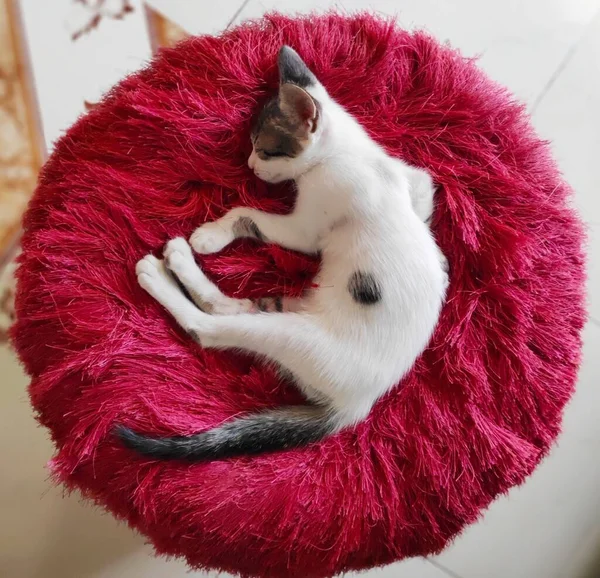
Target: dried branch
99,12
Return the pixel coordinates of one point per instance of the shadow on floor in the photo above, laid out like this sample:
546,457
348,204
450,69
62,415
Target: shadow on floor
45,534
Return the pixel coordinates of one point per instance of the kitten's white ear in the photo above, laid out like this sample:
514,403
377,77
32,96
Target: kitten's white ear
298,104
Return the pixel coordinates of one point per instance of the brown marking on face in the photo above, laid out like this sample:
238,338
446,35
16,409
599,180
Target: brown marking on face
285,124
276,134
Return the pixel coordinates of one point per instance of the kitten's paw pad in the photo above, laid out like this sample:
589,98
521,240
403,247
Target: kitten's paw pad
228,306
211,237
177,253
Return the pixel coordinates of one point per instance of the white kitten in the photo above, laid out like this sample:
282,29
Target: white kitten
379,291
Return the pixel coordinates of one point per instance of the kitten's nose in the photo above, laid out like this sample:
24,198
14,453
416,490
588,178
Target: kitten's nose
251,161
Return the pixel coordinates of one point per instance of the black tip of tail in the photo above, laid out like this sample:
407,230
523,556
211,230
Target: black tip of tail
160,448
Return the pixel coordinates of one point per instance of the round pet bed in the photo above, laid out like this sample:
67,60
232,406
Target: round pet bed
165,151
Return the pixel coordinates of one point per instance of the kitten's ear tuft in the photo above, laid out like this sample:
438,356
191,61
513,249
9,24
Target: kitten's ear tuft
292,68
296,103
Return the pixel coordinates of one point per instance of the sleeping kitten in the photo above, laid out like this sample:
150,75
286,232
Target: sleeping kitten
379,291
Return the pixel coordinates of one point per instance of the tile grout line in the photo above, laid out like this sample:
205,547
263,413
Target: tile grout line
594,321
237,13
562,65
443,568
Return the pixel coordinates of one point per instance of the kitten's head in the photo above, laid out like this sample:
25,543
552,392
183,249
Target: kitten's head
288,126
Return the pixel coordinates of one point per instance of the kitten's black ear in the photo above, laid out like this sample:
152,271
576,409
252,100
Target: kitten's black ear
300,106
292,68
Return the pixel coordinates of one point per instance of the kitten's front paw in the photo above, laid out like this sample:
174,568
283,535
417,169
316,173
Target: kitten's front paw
152,274
146,270
212,237
177,253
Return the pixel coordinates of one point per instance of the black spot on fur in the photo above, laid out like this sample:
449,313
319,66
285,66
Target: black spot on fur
292,68
364,288
246,227
278,304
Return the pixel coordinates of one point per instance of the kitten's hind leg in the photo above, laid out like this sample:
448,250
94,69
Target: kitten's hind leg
286,338
205,294
292,340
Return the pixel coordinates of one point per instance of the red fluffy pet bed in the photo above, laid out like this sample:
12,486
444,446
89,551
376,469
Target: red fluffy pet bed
165,151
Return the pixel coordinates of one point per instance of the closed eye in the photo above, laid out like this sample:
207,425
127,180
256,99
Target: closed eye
274,154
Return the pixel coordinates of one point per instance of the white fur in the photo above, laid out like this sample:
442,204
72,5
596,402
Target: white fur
364,211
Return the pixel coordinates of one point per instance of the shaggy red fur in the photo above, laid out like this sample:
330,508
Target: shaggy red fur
165,151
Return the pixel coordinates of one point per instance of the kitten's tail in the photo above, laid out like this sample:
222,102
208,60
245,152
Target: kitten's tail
277,429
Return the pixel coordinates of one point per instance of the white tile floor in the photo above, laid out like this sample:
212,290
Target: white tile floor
548,53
